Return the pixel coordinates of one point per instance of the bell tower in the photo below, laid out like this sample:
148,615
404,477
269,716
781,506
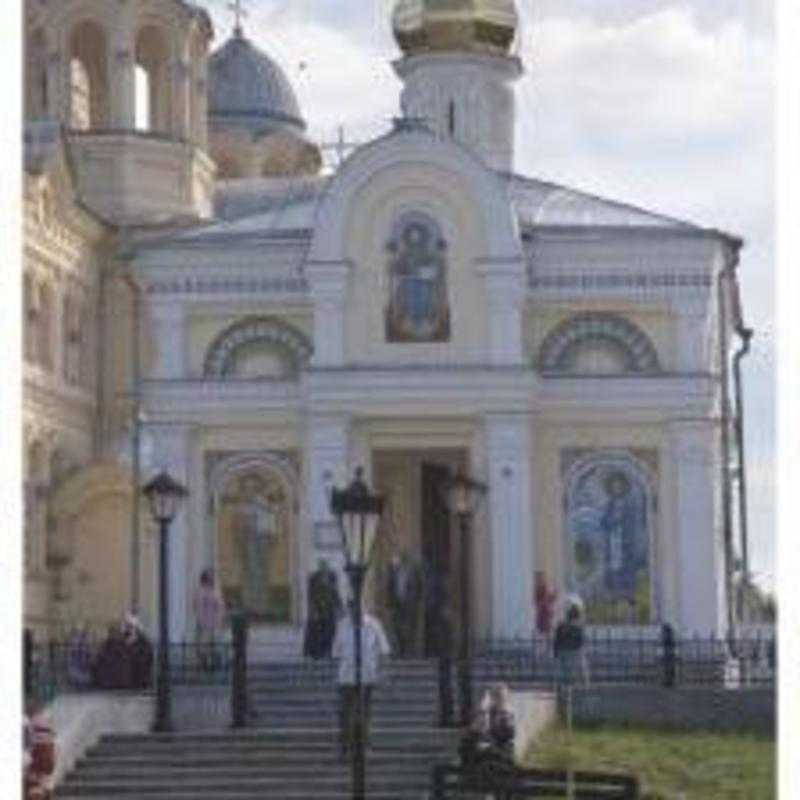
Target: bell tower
458,70
127,82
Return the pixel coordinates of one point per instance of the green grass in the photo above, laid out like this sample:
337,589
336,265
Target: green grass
669,764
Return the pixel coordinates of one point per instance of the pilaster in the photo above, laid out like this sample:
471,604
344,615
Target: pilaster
169,338
506,289
328,282
693,333
328,459
700,561
511,523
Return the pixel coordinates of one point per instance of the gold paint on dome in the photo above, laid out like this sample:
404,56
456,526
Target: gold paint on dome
473,26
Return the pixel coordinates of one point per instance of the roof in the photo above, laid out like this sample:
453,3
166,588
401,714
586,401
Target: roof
540,203
246,85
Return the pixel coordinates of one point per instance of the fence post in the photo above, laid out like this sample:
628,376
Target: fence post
239,678
668,643
445,690
438,782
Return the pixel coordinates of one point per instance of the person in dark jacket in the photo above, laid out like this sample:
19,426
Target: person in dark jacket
140,653
324,610
568,648
112,667
404,591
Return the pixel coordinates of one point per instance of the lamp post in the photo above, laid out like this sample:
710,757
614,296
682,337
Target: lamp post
164,494
462,496
358,513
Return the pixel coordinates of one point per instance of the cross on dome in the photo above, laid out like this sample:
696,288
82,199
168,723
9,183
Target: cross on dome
240,13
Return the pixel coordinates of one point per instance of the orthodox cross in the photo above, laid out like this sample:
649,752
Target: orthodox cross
240,14
340,147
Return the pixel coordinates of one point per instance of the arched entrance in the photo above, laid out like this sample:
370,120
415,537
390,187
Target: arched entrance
255,541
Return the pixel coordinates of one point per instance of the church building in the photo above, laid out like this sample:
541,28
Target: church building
201,295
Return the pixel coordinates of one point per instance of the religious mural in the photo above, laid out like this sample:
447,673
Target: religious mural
418,309
608,510
253,553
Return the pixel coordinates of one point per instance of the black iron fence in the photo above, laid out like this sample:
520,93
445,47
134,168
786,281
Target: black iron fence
632,659
88,664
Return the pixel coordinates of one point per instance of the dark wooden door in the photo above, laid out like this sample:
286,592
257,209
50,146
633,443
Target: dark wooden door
436,553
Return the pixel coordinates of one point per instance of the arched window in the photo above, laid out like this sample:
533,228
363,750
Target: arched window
418,309
610,504
154,80
85,352
257,347
34,496
89,84
44,336
30,319
72,340
598,343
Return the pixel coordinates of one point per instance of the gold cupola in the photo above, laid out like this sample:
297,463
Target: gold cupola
446,26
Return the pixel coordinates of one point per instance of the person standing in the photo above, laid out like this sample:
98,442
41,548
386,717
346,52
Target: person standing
324,609
568,649
374,650
544,599
209,613
404,590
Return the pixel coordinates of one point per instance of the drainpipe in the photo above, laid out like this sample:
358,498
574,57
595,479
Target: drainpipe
136,437
724,280
745,334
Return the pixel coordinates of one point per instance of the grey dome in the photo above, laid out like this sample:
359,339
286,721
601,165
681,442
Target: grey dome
244,82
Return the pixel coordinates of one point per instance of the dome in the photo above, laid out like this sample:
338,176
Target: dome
472,26
245,83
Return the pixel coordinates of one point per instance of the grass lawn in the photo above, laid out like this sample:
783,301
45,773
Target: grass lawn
670,764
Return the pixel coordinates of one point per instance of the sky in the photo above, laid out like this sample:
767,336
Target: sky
667,104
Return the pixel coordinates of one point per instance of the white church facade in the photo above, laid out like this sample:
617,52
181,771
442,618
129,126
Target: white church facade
260,327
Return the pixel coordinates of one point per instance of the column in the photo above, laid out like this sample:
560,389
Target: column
168,335
700,550
123,90
506,291
511,523
328,281
328,460
182,86
122,66
173,451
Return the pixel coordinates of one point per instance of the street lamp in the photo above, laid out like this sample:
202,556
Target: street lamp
358,513
164,494
462,495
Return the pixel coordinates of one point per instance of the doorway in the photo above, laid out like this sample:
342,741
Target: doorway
417,524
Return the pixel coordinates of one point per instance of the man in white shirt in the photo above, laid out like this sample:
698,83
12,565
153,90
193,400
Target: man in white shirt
374,648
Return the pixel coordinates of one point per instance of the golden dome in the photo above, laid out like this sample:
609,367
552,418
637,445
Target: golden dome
472,26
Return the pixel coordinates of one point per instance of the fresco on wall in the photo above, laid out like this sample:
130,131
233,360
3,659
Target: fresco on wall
418,310
609,540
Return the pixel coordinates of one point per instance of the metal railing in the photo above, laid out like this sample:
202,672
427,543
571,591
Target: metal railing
57,667
633,660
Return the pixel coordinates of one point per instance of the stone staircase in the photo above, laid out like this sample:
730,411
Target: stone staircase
290,750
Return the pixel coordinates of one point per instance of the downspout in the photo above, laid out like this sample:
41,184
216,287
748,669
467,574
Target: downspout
723,293
136,436
745,334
